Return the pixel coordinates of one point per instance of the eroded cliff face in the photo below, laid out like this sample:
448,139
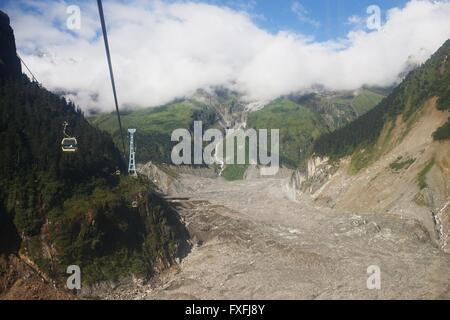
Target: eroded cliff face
411,178
10,66
317,172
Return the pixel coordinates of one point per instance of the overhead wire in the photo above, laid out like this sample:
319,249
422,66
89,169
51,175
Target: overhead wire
111,73
31,73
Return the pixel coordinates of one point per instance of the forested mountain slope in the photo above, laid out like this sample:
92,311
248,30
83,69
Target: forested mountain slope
155,126
60,209
301,119
395,158
429,80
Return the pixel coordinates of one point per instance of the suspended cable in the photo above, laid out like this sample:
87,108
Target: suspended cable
108,56
31,73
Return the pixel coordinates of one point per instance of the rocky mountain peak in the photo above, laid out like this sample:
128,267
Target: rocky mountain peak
10,66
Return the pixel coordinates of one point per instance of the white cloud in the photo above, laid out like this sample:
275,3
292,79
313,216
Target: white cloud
303,14
357,21
163,50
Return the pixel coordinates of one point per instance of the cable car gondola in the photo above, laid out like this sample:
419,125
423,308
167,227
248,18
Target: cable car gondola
68,143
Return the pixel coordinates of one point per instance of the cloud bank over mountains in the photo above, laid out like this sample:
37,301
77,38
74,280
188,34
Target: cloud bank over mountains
162,50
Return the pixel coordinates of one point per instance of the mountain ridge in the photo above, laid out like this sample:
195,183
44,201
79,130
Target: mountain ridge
224,109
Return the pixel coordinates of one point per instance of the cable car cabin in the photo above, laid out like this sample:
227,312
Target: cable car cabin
69,145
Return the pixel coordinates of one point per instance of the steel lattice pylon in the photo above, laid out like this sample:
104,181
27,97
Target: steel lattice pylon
132,160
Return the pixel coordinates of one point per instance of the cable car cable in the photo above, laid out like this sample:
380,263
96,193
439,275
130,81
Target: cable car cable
31,73
108,56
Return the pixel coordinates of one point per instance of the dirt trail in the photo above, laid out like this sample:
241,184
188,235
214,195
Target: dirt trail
255,243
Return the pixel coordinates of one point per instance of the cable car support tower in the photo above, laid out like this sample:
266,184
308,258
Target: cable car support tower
132,159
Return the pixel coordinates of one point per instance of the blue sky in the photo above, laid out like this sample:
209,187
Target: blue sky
324,19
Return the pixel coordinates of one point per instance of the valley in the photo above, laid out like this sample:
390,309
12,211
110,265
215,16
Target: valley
314,236
313,233
251,240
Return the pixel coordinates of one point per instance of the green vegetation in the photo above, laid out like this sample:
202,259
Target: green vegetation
298,127
302,120
360,159
401,164
63,209
234,172
366,100
430,79
422,176
155,126
443,133
443,103
108,238
160,119
36,175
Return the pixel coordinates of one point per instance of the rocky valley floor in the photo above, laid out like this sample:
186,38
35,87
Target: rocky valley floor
252,241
